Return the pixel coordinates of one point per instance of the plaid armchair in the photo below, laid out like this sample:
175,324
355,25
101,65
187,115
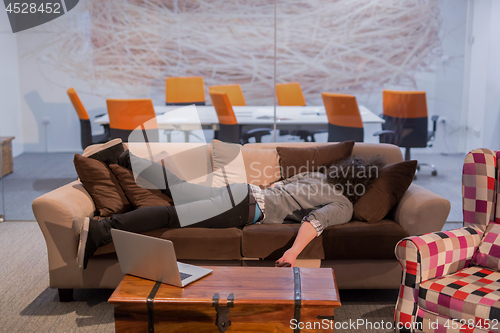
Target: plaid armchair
441,289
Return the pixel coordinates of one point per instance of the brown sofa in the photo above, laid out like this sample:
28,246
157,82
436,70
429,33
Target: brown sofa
361,254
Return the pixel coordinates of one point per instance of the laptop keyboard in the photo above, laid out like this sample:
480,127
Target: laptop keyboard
184,275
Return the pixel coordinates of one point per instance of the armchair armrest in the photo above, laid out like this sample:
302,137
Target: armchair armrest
379,133
60,214
385,136
437,254
430,256
421,211
259,131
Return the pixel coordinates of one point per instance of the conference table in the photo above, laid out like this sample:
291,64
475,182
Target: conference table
191,118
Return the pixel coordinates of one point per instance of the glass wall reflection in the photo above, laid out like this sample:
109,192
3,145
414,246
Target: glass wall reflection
343,55
116,50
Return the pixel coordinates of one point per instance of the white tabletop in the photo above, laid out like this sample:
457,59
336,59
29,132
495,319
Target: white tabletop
188,118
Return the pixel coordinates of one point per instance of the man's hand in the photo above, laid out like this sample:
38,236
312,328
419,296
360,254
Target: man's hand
287,260
306,234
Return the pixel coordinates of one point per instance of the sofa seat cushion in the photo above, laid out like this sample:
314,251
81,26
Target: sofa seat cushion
470,294
352,240
197,243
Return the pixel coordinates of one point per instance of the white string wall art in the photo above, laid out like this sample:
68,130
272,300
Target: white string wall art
358,46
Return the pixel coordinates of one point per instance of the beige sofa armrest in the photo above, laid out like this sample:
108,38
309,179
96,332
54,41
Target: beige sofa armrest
60,214
421,211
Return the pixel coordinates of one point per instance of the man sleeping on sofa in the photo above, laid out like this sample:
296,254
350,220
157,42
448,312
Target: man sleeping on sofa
317,200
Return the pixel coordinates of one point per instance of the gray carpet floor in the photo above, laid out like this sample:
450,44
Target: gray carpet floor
27,304
35,174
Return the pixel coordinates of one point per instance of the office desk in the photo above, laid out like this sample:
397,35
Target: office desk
288,118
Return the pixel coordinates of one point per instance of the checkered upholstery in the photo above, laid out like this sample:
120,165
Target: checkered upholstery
428,257
478,187
488,254
466,295
438,282
497,208
432,323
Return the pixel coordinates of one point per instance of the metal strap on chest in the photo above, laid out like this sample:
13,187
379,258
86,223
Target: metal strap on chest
222,319
150,309
297,297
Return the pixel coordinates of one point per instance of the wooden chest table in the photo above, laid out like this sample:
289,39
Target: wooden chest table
242,299
7,160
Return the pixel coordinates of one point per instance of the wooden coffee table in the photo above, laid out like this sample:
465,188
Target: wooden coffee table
242,299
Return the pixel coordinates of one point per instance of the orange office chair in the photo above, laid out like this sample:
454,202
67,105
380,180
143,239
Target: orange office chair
233,91
229,129
290,94
86,136
127,115
406,122
344,120
185,90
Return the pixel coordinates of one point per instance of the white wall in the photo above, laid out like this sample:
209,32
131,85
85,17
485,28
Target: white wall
478,73
444,85
491,126
483,112
10,110
50,122
445,97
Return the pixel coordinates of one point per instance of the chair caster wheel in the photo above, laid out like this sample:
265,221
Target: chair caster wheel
434,173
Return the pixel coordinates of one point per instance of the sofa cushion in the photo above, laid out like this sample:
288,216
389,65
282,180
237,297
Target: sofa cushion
297,160
488,252
270,241
137,195
471,293
193,159
261,165
352,240
197,243
385,192
166,160
102,186
243,165
390,153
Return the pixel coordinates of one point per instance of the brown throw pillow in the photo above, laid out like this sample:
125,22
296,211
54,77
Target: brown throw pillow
138,196
107,152
385,192
102,186
297,160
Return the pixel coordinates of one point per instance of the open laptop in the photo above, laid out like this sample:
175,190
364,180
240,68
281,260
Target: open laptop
154,259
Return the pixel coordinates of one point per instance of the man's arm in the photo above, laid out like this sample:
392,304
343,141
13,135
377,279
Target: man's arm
306,234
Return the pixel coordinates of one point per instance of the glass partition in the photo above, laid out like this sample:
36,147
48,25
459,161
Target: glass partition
361,48
109,51
127,50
